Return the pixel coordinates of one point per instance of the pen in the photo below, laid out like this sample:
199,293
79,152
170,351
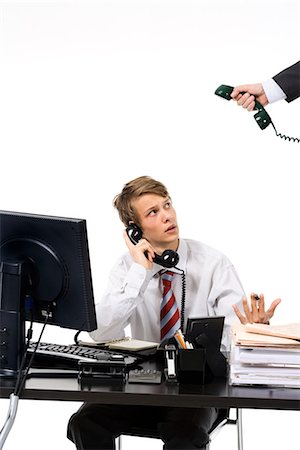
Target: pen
257,297
180,339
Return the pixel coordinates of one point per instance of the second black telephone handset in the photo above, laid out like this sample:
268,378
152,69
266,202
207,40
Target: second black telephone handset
168,259
262,117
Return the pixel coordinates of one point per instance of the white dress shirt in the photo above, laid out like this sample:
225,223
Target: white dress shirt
134,294
273,91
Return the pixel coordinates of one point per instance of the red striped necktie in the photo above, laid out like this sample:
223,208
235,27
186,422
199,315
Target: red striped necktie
169,313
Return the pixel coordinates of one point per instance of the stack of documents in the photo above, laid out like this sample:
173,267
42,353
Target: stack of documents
265,355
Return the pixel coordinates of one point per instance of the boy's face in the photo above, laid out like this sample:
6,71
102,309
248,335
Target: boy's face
158,221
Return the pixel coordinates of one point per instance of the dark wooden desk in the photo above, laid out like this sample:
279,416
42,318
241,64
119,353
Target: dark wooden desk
217,393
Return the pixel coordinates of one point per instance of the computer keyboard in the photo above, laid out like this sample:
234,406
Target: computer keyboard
67,356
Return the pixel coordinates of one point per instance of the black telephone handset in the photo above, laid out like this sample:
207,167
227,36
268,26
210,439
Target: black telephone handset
168,259
262,117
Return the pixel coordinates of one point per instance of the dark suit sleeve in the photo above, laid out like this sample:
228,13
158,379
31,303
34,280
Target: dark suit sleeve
289,81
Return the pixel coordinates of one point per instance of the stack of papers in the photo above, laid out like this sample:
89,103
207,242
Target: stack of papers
265,355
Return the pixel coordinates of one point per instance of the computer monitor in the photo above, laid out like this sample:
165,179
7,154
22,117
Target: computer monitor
44,272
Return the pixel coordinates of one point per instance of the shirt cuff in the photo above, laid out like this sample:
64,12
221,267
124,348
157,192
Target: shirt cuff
273,91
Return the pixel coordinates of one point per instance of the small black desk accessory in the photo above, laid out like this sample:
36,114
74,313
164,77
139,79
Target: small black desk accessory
200,362
147,376
93,372
205,333
191,365
171,363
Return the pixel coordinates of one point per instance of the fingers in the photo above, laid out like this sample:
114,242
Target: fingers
254,314
246,94
239,314
142,253
252,89
257,313
260,315
143,247
246,101
271,310
247,311
249,102
265,316
248,316
261,309
242,88
254,307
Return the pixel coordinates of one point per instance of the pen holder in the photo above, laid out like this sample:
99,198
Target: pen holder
191,365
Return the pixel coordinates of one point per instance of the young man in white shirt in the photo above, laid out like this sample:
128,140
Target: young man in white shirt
133,297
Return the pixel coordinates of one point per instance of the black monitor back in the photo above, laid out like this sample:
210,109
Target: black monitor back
58,273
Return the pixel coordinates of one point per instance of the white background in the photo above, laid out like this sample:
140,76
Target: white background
95,93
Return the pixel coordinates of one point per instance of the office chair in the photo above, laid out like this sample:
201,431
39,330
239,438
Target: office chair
223,419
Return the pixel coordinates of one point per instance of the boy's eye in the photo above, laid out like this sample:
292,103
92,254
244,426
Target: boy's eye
152,213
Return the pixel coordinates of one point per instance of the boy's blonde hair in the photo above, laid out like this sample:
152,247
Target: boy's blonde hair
133,189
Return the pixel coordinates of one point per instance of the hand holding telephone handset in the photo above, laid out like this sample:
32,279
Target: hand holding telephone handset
262,117
168,259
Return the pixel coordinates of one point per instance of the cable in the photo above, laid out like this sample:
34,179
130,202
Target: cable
76,337
14,397
183,295
283,136
20,382
29,336
11,415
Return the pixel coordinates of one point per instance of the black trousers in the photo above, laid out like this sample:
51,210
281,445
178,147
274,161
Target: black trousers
95,427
